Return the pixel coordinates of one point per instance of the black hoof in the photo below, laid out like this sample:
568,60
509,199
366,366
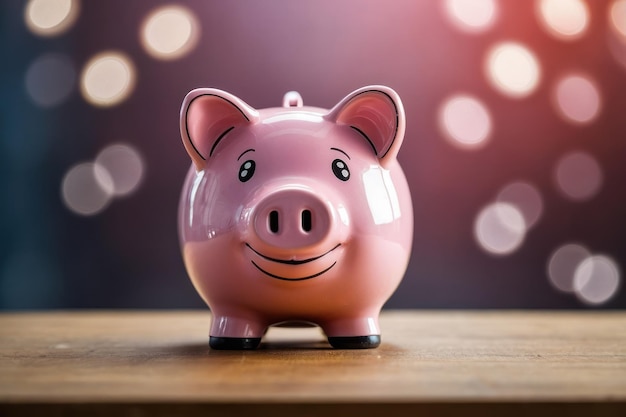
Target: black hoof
234,343
355,342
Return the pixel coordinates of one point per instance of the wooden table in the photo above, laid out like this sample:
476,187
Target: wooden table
430,363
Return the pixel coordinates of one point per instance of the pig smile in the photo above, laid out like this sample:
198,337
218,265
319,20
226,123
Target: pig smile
292,262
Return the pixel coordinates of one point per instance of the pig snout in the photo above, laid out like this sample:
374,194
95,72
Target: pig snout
294,233
293,219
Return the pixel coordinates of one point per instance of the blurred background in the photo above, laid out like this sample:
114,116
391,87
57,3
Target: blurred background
515,147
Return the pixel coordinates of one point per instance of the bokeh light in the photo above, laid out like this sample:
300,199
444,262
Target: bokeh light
578,176
513,133
617,34
564,19
86,189
465,121
107,79
471,15
50,79
617,17
123,166
499,228
50,17
577,99
563,263
526,198
596,279
169,32
513,69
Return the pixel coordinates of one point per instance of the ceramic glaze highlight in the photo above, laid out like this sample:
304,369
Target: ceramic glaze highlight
295,213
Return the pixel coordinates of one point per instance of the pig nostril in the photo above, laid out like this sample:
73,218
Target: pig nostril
306,220
273,221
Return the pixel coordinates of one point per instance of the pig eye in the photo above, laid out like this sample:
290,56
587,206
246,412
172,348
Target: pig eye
340,169
246,170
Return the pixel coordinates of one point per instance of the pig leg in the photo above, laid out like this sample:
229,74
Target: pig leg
234,343
229,332
361,332
355,342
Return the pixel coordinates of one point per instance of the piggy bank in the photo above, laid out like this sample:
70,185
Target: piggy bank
295,214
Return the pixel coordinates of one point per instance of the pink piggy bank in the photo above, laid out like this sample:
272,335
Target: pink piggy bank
295,213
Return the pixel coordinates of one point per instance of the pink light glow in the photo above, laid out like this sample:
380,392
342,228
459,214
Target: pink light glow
596,279
465,121
500,229
564,19
471,15
513,69
617,17
577,99
526,198
563,263
578,176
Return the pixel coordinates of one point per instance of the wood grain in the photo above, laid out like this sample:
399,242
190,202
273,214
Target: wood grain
440,363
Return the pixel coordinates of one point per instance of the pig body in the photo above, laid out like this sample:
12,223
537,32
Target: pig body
295,213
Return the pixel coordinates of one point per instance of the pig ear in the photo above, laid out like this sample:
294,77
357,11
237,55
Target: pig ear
206,117
375,112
